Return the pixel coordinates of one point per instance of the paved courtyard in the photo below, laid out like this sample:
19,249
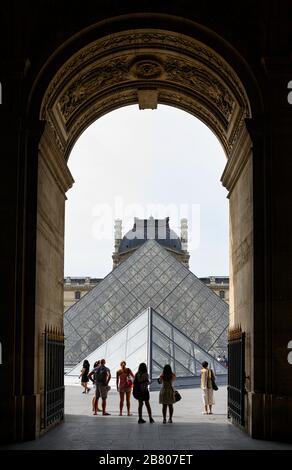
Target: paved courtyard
190,429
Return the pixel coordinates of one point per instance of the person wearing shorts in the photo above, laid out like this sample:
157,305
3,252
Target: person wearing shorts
102,378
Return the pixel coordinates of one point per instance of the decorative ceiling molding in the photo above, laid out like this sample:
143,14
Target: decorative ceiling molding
106,75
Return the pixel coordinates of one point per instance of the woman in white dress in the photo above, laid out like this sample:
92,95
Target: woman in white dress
207,390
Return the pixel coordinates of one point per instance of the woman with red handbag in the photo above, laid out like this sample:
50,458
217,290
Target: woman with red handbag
124,386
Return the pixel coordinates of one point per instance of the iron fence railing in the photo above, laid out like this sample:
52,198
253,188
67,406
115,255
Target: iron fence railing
54,377
236,376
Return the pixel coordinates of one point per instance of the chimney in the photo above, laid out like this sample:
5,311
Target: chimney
118,234
184,234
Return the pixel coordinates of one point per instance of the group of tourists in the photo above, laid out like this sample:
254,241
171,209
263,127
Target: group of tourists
100,376
138,385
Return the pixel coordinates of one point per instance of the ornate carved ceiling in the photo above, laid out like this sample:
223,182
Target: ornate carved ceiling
108,74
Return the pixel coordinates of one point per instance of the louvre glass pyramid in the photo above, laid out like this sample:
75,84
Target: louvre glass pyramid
151,276
152,339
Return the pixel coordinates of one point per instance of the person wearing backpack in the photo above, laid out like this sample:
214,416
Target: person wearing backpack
102,377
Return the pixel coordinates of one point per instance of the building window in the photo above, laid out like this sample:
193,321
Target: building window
222,294
77,295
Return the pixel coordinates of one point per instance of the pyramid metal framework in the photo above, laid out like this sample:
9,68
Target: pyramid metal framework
152,339
151,276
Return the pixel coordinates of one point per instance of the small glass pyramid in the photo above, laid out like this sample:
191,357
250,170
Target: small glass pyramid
152,339
151,276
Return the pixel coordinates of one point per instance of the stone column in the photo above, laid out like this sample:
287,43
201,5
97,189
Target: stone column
261,260
280,261
11,207
19,147
238,179
54,179
272,394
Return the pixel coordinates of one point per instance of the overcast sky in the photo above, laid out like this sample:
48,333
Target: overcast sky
130,163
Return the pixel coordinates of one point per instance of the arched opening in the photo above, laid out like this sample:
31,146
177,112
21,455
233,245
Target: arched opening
148,67
148,165
143,164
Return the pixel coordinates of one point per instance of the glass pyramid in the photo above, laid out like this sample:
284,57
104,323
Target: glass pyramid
151,276
152,339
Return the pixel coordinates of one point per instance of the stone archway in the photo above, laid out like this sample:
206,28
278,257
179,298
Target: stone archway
148,67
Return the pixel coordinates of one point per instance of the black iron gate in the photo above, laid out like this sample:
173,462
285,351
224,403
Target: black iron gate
54,377
236,376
